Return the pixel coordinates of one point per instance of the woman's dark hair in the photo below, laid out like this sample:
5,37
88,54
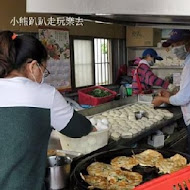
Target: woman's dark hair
14,53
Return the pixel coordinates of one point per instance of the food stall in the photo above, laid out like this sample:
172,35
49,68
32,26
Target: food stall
132,145
128,144
165,132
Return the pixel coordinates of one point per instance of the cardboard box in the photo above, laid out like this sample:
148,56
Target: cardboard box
142,36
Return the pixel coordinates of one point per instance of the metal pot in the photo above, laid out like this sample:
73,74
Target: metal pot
58,172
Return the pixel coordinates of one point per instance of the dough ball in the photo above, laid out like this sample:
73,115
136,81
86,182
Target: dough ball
115,136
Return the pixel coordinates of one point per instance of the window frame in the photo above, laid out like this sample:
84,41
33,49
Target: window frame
73,82
110,76
72,38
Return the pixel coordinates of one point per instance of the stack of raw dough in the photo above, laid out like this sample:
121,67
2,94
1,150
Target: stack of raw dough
123,123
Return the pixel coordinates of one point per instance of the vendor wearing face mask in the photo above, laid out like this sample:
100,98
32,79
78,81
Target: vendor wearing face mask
29,111
180,42
144,78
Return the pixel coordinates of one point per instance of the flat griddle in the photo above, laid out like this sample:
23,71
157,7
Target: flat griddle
148,173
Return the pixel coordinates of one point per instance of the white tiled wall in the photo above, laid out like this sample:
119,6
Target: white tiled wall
162,73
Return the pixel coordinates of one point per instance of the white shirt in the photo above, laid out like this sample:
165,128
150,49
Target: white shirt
22,92
182,98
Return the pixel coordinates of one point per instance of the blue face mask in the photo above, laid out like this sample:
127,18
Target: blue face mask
180,52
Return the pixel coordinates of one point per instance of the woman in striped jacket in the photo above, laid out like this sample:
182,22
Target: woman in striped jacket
144,78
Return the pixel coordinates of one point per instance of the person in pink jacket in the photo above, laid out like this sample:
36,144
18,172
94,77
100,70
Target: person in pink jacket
144,78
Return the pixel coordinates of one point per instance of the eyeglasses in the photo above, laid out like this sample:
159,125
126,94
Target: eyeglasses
46,71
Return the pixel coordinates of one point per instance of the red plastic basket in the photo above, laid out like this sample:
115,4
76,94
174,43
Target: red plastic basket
179,180
85,98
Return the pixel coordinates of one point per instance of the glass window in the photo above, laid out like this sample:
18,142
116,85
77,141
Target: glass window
83,62
103,64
